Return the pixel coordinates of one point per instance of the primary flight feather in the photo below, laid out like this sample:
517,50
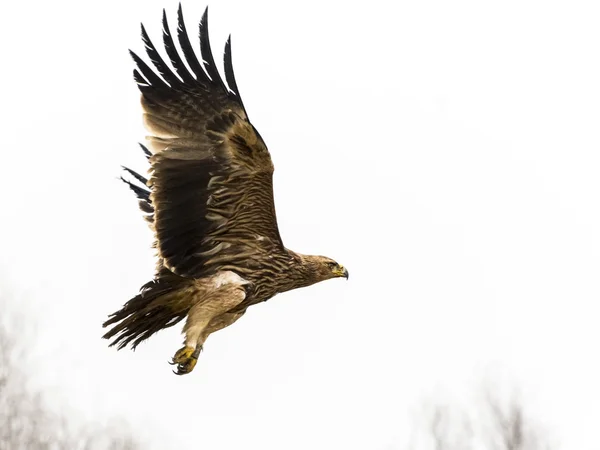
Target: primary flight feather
209,201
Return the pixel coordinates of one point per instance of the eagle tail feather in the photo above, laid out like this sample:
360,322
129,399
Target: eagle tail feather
160,304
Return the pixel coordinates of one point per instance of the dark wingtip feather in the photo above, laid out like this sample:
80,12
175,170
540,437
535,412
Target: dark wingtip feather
186,46
140,193
228,66
206,52
165,23
145,150
174,56
163,69
204,18
229,75
135,175
139,79
153,79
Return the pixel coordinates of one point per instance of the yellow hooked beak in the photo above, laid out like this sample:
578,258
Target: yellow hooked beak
341,271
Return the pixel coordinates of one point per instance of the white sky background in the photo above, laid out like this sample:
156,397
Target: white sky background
446,152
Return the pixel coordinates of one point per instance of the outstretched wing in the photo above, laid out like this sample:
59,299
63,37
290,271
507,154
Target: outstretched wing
211,173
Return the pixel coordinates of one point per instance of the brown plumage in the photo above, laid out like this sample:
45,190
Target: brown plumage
209,201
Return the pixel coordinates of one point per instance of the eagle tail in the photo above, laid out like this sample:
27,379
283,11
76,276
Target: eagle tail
160,304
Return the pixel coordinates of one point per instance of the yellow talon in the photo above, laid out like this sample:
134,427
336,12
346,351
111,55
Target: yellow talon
183,354
186,359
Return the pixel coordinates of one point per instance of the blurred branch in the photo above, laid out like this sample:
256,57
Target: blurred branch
25,422
509,423
450,430
492,425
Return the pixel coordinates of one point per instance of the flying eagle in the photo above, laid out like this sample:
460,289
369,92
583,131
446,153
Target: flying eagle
209,202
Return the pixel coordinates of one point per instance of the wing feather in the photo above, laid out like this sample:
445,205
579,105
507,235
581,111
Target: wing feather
186,47
210,181
228,66
153,79
146,151
173,54
207,56
163,69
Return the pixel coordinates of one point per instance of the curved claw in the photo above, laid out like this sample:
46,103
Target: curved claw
186,359
186,367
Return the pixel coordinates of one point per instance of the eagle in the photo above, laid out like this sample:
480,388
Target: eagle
209,201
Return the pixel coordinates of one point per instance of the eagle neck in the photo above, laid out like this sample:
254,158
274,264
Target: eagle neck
301,272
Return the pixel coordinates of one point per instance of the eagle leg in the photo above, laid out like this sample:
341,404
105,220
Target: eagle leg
218,295
187,357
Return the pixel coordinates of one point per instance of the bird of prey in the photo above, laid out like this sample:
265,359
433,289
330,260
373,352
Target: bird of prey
208,200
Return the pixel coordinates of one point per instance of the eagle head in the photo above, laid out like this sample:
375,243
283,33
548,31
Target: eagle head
321,268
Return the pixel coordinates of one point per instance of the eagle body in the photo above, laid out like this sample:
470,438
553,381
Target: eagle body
208,200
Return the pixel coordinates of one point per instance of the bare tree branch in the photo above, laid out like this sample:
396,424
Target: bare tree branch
493,425
25,422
